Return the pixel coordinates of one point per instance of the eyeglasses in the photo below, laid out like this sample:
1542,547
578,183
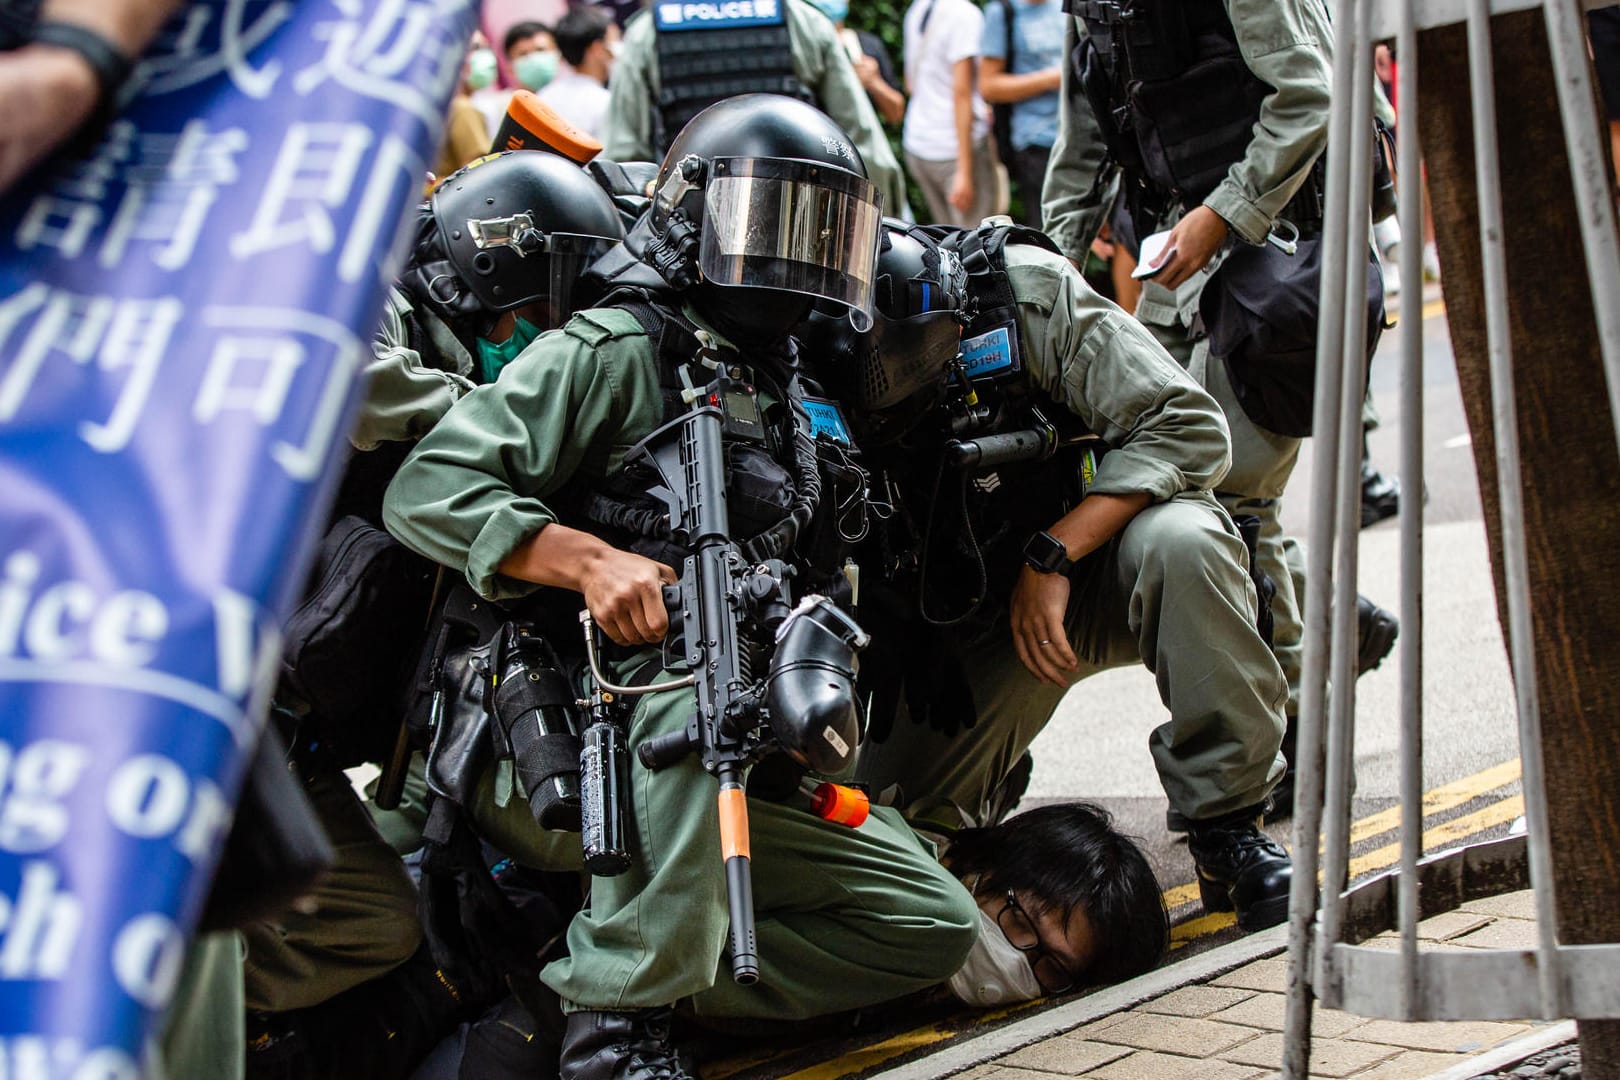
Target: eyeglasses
1053,974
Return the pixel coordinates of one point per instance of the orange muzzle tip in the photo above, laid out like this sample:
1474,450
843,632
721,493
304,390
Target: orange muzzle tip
840,805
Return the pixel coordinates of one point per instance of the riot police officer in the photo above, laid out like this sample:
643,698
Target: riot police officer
498,256
518,487
678,59
1213,115
1054,519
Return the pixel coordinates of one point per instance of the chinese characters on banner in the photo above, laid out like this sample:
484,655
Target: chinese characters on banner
184,313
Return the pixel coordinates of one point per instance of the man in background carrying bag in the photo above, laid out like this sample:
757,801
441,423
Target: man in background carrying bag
1214,114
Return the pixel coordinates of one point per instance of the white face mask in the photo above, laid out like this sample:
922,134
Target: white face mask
994,973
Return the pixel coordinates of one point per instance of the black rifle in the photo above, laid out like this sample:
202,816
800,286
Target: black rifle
730,610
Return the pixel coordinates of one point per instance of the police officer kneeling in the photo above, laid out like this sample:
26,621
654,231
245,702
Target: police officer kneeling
1054,519
761,209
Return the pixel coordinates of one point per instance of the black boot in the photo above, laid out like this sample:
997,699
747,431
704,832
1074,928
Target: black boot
621,1046
1241,868
1281,804
1377,631
1380,496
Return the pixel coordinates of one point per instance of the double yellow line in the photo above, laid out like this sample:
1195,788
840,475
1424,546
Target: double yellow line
1441,799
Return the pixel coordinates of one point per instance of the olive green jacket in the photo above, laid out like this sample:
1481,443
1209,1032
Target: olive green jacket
1166,434
1287,44
820,62
569,407
406,392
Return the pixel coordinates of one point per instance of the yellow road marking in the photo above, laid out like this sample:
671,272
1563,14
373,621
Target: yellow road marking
1441,798
1428,311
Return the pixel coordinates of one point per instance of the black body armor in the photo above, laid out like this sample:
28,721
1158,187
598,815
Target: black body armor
789,493
708,54
1175,101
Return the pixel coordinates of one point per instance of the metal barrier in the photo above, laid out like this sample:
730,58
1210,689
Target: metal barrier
1326,961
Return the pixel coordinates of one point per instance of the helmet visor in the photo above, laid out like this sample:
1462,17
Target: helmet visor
795,226
569,254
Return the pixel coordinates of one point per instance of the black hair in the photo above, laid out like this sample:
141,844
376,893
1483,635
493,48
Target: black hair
519,31
1068,856
578,30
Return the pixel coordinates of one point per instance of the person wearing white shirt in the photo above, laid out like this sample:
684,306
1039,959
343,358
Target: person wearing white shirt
946,136
588,39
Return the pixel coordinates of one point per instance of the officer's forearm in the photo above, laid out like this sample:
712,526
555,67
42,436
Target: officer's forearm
557,555
1096,520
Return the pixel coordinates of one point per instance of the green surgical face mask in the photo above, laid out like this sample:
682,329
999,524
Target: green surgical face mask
480,68
535,69
493,357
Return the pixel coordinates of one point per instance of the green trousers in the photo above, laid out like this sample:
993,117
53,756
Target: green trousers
845,917
1262,462
364,924
1178,599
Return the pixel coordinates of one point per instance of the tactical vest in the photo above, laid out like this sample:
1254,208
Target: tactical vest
1175,101
775,468
710,50
972,524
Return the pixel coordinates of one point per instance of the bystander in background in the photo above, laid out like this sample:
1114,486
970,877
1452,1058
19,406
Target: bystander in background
1019,71
588,40
946,137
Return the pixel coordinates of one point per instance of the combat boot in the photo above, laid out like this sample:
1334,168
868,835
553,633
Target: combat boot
1376,631
621,1046
1241,869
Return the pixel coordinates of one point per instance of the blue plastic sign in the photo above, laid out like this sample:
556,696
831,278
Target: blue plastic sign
184,315
826,418
992,353
708,14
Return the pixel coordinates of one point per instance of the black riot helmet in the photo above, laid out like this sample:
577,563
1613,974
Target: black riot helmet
762,203
899,369
512,229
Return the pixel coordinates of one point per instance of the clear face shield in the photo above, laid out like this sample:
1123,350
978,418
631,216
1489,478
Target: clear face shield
792,226
558,260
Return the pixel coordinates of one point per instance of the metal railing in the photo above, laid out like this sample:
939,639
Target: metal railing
1327,963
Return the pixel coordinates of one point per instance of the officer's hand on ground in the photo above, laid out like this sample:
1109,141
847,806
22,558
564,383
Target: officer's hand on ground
1038,603
625,595
1192,243
46,95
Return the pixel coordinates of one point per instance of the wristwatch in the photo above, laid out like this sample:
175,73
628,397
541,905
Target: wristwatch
1046,554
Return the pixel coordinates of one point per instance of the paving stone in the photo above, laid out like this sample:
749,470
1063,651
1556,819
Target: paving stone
1447,1036
978,1072
1410,1065
1003,1072
1146,1065
1329,1057
1501,934
1450,924
1269,1011
1513,905
1391,942
1268,975
1065,1055
1196,1000
1174,1034
1093,1029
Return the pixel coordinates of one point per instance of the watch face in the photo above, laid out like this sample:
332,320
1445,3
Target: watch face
1044,553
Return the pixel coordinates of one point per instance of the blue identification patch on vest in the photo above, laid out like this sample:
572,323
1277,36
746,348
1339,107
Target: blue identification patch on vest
991,354
827,419
708,14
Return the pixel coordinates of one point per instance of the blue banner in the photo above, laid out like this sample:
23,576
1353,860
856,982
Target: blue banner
183,317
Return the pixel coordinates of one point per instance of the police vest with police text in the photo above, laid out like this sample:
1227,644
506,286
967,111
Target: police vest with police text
710,50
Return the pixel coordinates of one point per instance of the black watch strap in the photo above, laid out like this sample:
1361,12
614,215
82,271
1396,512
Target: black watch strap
111,65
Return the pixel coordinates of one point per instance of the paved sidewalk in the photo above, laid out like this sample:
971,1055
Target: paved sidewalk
1223,1020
